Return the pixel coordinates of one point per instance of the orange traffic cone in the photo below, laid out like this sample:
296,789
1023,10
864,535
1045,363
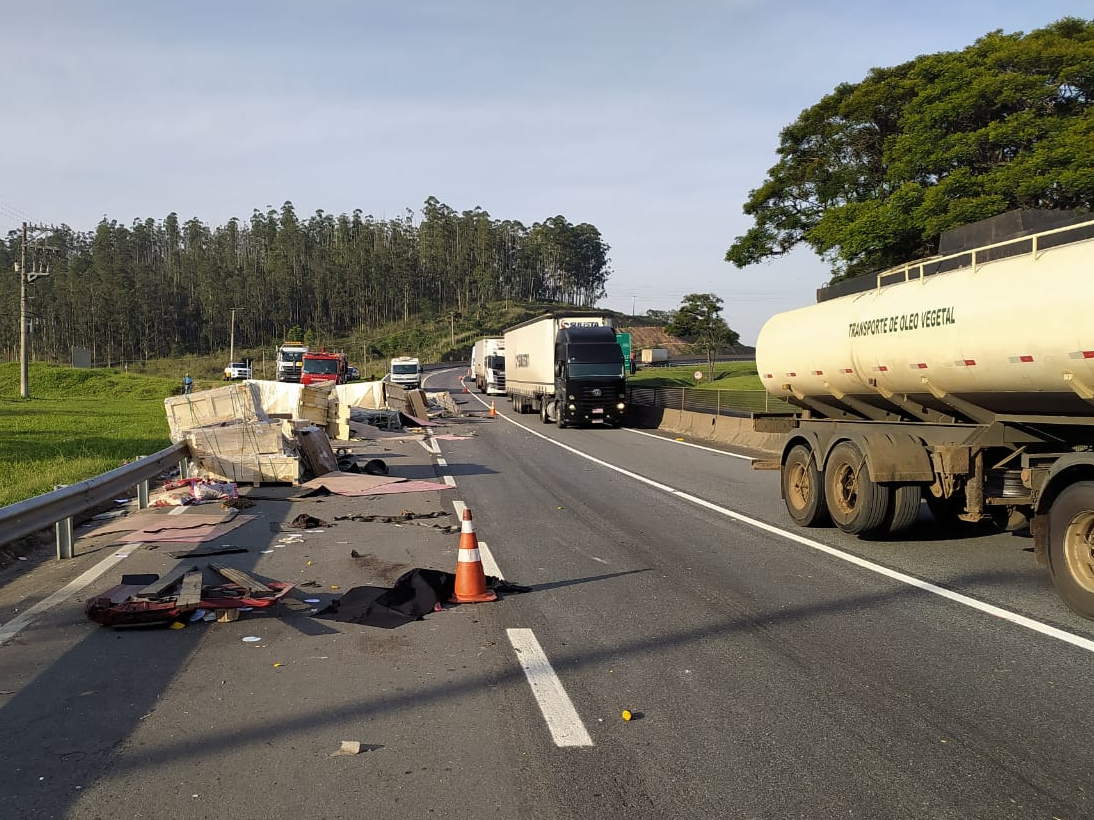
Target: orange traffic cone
493,409
470,578
465,390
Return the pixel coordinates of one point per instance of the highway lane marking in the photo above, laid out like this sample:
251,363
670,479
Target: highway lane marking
554,704
926,586
686,443
24,619
489,565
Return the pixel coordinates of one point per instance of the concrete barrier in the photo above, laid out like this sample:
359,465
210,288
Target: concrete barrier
706,427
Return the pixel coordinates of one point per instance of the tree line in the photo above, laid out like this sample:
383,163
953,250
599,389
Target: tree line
168,288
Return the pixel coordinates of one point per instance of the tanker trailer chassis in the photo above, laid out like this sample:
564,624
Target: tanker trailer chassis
870,476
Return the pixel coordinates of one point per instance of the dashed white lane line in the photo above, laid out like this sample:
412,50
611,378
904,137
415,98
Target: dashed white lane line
24,619
449,480
926,586
558,710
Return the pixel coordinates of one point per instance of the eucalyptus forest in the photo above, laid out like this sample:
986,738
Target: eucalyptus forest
167,288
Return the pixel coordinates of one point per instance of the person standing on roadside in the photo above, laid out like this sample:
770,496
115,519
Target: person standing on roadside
187,384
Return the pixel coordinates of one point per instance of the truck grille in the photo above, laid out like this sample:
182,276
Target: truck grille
586,400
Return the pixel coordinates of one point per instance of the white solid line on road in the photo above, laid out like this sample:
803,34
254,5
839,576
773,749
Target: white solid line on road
687,444
926,586
558,710
24,619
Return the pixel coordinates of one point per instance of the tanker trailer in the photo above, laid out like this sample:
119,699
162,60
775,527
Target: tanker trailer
965,380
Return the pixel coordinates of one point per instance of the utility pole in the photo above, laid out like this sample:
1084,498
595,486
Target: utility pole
25,278
232,337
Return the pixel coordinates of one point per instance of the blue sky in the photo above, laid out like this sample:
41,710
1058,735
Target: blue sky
650,120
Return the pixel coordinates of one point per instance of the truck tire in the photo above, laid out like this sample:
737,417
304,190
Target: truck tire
803,487
904,509
1070,541
544,416
857,504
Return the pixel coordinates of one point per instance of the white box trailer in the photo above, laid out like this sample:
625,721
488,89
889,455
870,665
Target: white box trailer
583,384
654,355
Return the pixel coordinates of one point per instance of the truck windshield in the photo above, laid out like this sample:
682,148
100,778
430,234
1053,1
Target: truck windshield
405,369
595,353
587,361
291,358
495,362
314,366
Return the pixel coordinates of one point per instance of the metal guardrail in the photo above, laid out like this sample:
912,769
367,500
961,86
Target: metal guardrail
739,403
58,508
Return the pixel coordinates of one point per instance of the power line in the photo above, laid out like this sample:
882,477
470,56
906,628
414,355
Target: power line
14,213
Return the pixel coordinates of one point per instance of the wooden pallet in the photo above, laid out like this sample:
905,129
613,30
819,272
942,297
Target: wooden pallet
241,578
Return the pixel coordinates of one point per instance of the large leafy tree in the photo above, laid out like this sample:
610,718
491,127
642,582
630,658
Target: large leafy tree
699,320
872,174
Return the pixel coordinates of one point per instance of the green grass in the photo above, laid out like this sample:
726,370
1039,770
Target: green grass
76,424
727,376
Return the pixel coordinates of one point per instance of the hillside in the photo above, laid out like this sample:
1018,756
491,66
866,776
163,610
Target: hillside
642,337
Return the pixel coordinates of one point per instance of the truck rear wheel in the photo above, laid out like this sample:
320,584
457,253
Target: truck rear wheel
1071,547
905,508
803,487
856,503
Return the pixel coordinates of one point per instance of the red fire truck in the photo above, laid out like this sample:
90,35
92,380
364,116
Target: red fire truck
321,366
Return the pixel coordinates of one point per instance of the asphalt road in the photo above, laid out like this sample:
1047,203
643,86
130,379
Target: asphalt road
771,672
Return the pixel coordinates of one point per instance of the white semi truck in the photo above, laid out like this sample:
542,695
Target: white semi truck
488,366
568,367
965,379
290,359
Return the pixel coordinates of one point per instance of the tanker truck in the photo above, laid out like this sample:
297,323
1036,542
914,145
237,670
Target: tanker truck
965,380
568,367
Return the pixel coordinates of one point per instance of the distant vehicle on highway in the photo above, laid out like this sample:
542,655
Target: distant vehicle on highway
237,370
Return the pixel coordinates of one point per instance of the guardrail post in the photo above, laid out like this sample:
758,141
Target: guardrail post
142,495
184,468
63,529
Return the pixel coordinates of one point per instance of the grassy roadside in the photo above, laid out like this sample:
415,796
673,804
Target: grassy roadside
76,424
727,376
